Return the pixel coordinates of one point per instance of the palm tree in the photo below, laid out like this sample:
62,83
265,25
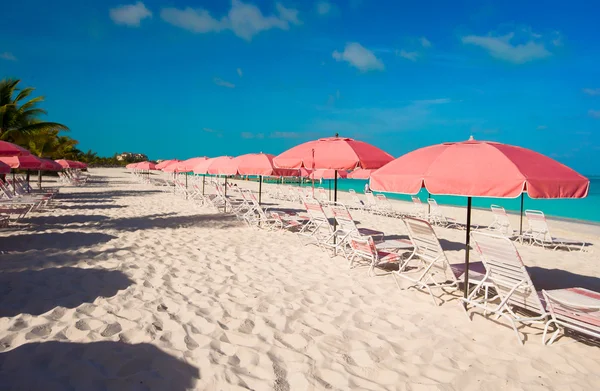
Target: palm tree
20,117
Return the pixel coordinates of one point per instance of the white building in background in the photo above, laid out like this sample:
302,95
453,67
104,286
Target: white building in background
131,156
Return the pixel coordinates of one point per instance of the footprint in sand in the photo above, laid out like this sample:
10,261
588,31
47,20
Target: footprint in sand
39,332
111,329
19,324
246,327
190,343
6,342
57,314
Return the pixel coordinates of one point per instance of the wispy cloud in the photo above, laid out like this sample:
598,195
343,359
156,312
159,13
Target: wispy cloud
244,19
594,113
8,56
501,47
359,57
592,91
216,132
425,42
412,56
130,14
239,72
324,7
249,135
223,83
285,135
542,127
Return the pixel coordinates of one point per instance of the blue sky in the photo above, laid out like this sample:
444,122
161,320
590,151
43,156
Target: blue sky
184,78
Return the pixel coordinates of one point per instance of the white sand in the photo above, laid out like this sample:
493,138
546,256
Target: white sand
125,287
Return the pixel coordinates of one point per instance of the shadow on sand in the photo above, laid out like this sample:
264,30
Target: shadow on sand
51,240
561,279
38,291
94,366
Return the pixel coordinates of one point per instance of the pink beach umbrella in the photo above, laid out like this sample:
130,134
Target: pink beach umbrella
68,163
260,164
25,162
189,164
50,165
480,169
10,149
165,163
335,153
223,165
146,166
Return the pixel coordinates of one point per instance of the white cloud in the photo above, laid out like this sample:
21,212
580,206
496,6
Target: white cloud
245,20
594,113
323,7
501,47
359,57
8,56
248,135
592,91
130,14
210,130
239,72
425,42
223,83
412,56
285,135
542,127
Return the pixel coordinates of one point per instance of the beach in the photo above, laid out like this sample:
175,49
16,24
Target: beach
124,286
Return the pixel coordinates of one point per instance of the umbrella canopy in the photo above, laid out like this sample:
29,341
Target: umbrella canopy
336,153
223,165
202,166
361,173
186,165
261,164
480,169
4,168
327,174
10,149
26,162
146,166
130,166
69,163
165,163
50,165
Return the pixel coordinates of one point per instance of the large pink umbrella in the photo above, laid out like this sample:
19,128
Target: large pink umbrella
146,166
187,165
260,164
10,149
222,165
165,163
480,169
68,163
335,153
50,165
25,162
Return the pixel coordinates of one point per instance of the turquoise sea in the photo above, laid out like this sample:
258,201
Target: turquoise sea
579,209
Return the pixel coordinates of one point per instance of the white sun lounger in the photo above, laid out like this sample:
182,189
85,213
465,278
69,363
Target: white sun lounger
507,273
432,269
539,233
437,216
574,308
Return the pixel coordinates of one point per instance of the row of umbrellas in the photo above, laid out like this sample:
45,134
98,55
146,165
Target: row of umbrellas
471,169
13,156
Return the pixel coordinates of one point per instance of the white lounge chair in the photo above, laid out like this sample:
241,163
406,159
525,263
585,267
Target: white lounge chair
437,216
507,273
432,269
364,248
356,204
539,233
574,308
419,209
501,223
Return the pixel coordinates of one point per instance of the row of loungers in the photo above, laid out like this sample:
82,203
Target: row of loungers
499,285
